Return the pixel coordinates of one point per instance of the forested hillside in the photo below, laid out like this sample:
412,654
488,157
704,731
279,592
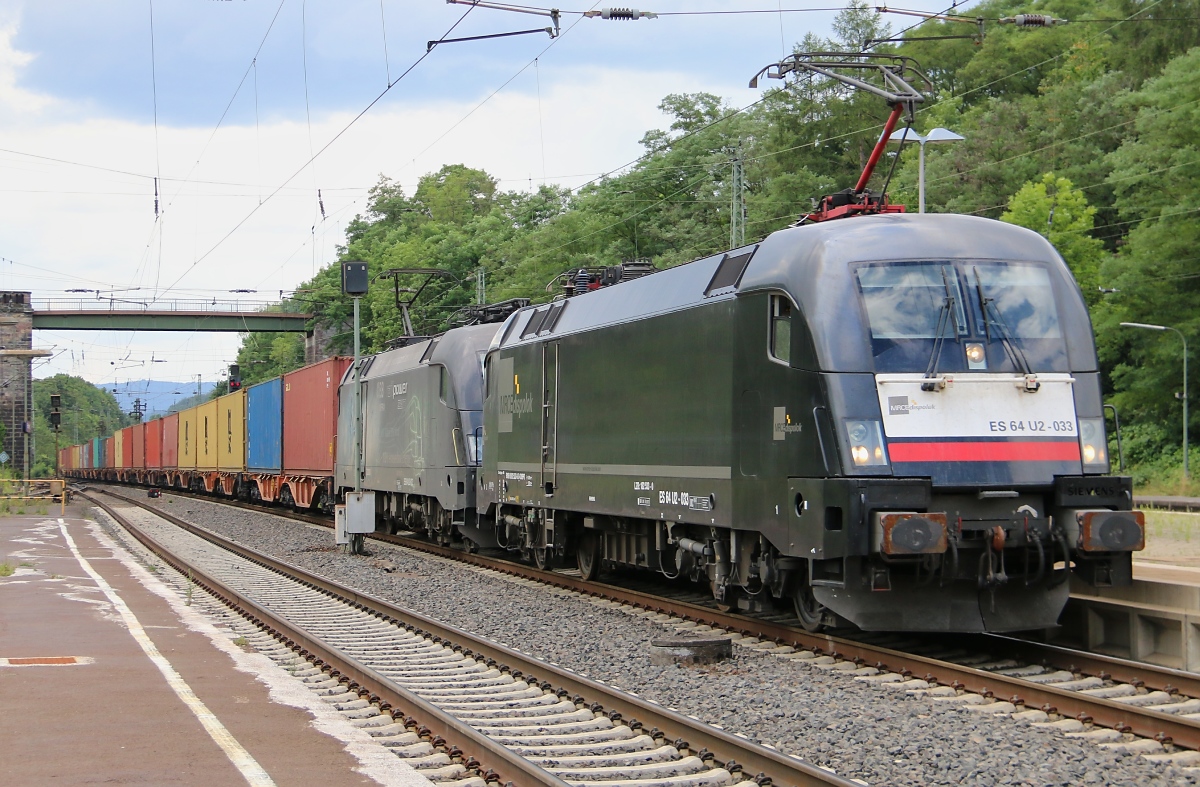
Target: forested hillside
87,411
1087,132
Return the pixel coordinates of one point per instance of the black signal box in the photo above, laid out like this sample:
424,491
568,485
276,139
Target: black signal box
354,278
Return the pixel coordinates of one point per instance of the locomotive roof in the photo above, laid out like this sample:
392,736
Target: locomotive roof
458,350
811,263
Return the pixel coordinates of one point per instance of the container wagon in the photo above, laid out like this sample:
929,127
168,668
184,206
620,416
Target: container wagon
310,406
264,440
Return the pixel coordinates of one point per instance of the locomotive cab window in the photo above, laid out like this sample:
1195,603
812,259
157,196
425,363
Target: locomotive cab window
781,329
959,316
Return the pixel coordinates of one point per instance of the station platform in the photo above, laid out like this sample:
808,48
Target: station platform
105,680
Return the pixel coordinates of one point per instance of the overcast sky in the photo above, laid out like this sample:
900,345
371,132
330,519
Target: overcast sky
79,147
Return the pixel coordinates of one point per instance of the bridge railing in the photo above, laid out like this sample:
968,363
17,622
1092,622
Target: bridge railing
209,305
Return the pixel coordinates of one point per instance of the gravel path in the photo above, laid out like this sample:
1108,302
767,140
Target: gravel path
863,732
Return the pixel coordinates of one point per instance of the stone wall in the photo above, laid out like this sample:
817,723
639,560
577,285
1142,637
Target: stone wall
16,379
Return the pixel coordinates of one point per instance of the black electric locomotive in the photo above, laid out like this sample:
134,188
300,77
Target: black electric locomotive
894,420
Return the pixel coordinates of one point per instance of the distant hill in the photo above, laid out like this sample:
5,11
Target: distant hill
158,397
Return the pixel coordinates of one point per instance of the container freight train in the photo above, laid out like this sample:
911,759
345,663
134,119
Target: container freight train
272,442
892,422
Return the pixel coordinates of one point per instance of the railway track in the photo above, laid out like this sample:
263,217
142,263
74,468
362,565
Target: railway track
1114,701
461,709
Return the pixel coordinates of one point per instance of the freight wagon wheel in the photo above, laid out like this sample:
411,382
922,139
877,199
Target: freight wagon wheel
587,555
810,611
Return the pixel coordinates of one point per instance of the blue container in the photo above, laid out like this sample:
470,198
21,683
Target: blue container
97,452
264,427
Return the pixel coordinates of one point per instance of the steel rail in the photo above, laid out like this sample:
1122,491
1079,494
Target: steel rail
780,768
1142,721
360,678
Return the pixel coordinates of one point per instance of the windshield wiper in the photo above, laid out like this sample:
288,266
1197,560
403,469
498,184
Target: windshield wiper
988,308
945,319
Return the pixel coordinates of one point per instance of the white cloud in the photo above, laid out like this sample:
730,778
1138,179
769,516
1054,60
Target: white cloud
90,228
13,98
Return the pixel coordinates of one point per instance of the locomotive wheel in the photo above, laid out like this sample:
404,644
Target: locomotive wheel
810,611
542,558
587,555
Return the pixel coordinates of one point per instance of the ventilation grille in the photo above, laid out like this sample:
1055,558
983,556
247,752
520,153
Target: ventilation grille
730,271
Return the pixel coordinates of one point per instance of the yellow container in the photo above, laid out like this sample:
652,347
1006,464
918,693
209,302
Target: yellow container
231,432
187,439
118,445
207,436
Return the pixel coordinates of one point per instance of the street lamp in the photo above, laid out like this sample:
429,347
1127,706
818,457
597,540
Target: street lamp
1183,339
935,135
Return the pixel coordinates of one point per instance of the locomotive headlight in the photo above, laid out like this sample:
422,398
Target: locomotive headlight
976,357
866,443
1093,445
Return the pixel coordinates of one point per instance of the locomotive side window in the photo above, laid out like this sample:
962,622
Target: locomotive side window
781,328
445,391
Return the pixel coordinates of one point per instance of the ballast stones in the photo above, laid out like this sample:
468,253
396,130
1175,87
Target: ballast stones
690,650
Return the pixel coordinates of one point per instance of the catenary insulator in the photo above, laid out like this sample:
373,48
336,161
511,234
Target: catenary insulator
1032,20
625,13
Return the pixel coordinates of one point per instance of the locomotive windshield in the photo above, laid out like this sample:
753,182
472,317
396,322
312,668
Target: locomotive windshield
1006,308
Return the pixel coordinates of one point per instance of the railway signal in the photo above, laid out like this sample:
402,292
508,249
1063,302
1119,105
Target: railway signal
359,508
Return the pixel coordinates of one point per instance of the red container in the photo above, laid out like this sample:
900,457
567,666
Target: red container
108,455
154,443
139,445
310,417
170,441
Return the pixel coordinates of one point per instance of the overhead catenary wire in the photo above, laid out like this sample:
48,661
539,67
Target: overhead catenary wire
305,165
846,134
387,65
229,104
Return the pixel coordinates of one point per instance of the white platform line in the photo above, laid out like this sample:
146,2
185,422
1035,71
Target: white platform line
241,759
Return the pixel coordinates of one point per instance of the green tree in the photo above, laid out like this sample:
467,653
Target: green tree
1057,210
1156,177
87,411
